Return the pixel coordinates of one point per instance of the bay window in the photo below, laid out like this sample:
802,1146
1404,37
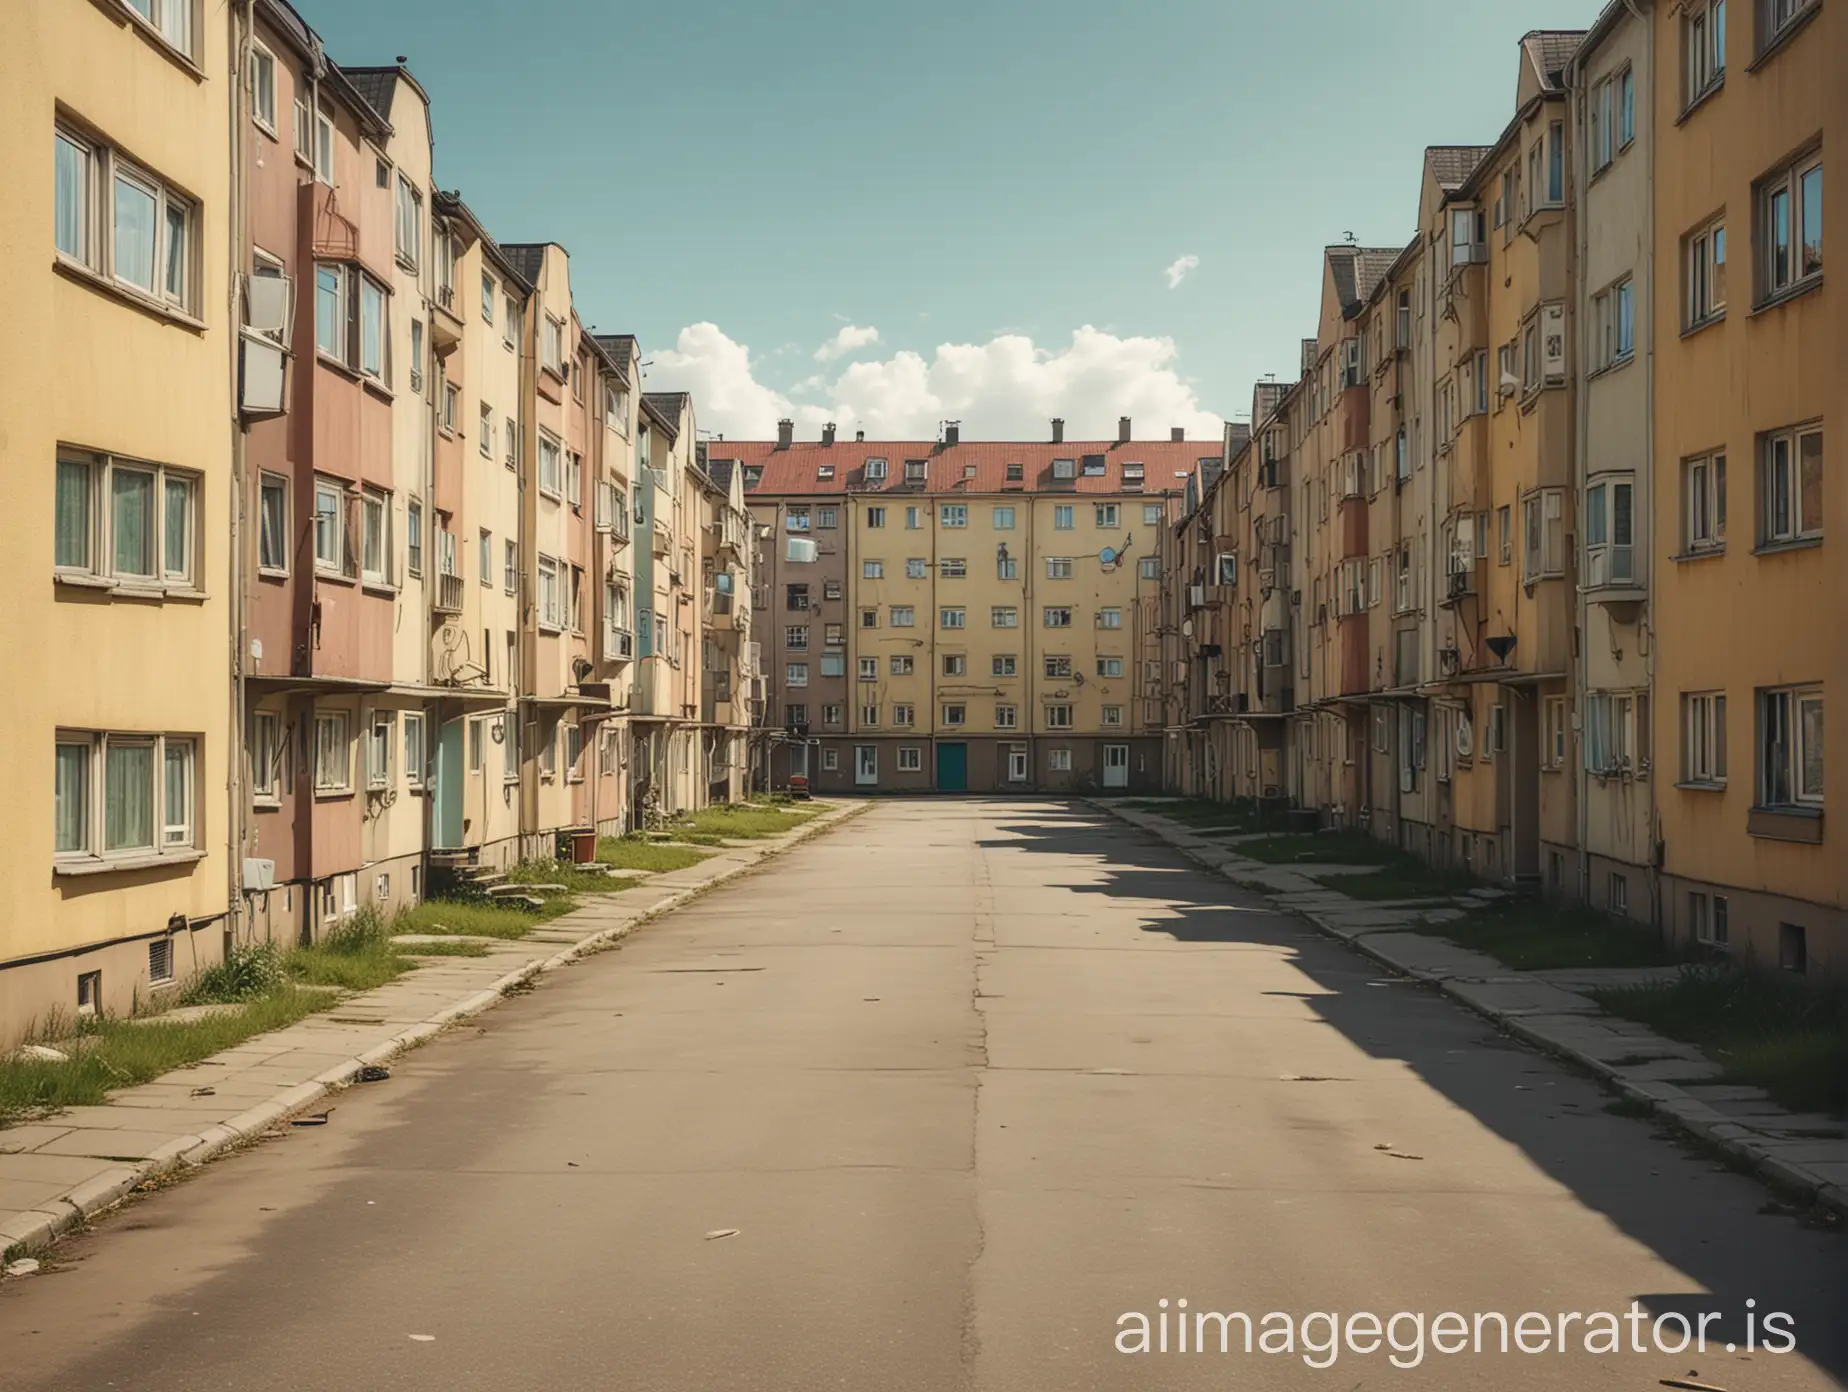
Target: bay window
1610,537
352,321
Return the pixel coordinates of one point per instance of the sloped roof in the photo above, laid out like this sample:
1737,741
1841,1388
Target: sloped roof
796,470
1451,165
376,85
1358,269
526,258
664,409
1552,50
621,349
719,470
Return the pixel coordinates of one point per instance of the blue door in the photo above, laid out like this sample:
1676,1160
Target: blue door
952,768
446,816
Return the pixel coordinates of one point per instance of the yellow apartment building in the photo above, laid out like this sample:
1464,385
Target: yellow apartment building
1750,363
116,410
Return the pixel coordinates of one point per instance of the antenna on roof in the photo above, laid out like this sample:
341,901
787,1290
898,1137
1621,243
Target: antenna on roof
1350,239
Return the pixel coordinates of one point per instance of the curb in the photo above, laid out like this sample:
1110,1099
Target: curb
1670,1103
40,1226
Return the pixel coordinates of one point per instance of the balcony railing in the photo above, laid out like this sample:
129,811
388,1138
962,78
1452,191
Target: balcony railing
449,594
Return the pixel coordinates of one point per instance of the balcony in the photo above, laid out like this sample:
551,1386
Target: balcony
446,323
448,594
1611,579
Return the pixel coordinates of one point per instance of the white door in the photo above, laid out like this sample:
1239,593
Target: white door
1017,764
865,763
1116,765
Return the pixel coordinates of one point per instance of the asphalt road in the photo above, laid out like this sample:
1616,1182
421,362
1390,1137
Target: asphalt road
970,1080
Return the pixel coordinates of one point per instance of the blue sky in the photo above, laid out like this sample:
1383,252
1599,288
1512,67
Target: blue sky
970,174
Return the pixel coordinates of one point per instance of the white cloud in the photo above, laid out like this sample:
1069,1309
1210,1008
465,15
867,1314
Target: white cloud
851,338
1005,388
1178,269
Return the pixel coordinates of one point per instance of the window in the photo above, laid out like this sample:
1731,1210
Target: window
1059,760
869,618
1616,733
795,715
1064,470
904,616
917,471
1703,738
552,600
1617,894
510,582
832,715
910,759
1543,520
323,147
1149,568
953,515
1553,728
1004,665
1058,616
148,804
914,518
1402,579
268,757
1016,472
1613,317
552,346
551,465
1556,163
1504,525
1790,747
955,665
124,521
1107,514
485,436
351,322
1602,127
795,674
413,541
952,568
1004,616
1004,519
796,520
1057,667
1703,47
869,716
953,617
375,539
796,637
1007,717
1058,567
488,292
1790,226
510,329
829,518
333,759
1006,567
1109,666
1706,274
1062,519
872,570
1704,502
869,669
1112,715
1610,539
833,664
875,470
875,517
574,478
1707,918
452,394
380,737
1109,618
408,225
1776,17
1790,497
904,714
122,222
917,568
955,713
1058,717
1530,357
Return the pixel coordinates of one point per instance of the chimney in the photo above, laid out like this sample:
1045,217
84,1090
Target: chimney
1177,434
1122,430
859,437
827,433
785,433
1058,431
952,432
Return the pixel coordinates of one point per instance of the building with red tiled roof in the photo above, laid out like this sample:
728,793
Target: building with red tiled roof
950,615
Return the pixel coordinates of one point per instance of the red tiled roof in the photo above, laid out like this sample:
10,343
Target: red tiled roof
798,469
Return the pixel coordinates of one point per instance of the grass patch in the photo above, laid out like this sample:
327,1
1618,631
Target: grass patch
1325,848
576,879
1785,1036
1535,936
357,955
628,853
1205,813
444,949
1414,880
476,918
740,821
107,1054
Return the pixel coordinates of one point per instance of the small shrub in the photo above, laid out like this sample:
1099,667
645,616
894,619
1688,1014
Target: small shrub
246,973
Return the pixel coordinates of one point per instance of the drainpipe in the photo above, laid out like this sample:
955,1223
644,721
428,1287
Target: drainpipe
237,822
1581,781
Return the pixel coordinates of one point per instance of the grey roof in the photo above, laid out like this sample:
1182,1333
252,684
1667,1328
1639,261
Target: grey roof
526,258
1358,269
620,347
1451,165
720,471
669,404
376,85
1552,50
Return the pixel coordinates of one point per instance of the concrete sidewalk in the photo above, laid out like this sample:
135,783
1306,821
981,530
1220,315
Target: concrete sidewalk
1547,1009
57,1171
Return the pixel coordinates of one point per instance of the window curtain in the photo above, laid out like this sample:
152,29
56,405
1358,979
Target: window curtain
73,797
128,807
71,545
179,792
132,516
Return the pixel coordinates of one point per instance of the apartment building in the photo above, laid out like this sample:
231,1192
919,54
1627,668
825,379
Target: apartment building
966,613
611,464
114,403
728,652
1749,362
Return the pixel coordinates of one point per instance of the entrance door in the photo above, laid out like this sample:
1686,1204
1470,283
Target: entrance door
952,768
866,764
446,814
1116,765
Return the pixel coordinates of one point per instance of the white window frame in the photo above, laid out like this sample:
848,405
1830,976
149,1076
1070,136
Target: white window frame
551,616
952,617
333,739
1107,514
910,759
1056,616
1059,760
1704,274
953,515
375,526
904,616
1703,488
1795,274
551,465
416,751
98,566
268,758
173,275
1788,756
263,86
1703,739
1780,452
1610,546
407,223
